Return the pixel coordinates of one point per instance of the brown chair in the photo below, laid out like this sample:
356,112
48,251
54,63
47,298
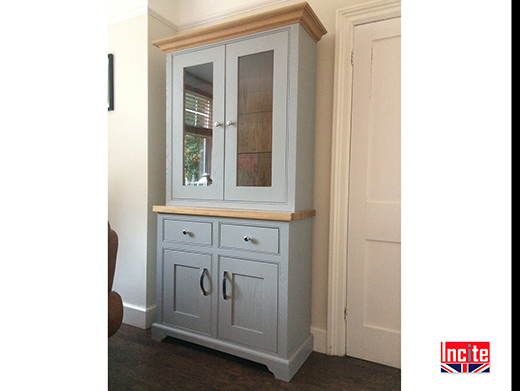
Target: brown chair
115,303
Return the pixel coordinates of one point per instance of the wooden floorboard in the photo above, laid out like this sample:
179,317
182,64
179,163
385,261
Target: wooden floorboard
137,363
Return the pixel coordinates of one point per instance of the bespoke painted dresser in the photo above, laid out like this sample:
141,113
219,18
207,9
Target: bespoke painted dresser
235,234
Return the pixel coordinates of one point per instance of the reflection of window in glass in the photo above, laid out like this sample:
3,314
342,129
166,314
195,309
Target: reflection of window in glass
198,119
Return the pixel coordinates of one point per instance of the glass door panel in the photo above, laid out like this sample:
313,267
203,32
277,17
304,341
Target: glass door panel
255,119
198,125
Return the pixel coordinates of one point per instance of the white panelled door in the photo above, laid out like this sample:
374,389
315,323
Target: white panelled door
374,233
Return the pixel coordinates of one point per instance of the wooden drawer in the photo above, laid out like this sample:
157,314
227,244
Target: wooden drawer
187,232
251,238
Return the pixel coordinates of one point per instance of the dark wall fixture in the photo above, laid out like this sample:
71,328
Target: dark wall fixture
110,82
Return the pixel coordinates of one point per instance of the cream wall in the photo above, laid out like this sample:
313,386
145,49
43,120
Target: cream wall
127,156
132,172
136,154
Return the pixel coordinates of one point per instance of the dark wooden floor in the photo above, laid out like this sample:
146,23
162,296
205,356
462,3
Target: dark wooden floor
136,362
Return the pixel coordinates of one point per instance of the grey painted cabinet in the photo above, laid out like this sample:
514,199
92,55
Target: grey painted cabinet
243,289
235,235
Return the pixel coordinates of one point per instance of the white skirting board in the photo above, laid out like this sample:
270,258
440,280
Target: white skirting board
320,340
138,316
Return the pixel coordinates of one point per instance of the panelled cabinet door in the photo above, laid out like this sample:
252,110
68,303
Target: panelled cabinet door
196,125
187,289
256,118
248,304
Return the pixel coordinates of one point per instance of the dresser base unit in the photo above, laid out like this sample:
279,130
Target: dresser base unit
238,285
282,369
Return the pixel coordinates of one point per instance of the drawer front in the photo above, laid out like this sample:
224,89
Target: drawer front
187,232
251,238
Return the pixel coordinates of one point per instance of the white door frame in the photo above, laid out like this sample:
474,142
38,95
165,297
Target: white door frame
346,19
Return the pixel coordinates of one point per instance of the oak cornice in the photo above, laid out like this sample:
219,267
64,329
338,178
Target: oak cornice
296,13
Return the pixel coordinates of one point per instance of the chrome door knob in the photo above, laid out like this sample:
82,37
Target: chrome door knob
229,123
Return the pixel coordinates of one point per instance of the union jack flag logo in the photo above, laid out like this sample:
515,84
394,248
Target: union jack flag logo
465,357
465,368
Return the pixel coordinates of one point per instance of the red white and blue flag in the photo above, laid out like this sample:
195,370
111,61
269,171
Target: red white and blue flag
465,357
464,368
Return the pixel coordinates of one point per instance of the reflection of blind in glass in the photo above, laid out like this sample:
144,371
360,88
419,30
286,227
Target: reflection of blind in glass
197,110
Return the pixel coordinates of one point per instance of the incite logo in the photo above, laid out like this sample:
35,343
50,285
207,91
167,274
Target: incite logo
465,357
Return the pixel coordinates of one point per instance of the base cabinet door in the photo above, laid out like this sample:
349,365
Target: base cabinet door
187,289
248,304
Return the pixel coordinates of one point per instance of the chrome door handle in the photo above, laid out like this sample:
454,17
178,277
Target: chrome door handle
185,232
217,124
229,123
247,239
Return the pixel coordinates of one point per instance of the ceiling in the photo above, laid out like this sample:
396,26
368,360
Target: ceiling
180,15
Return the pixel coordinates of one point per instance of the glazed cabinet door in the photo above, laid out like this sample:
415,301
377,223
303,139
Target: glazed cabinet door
248,304
187,289
256,118
196,125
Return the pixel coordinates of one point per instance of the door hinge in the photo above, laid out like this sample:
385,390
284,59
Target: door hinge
352,57
345,313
